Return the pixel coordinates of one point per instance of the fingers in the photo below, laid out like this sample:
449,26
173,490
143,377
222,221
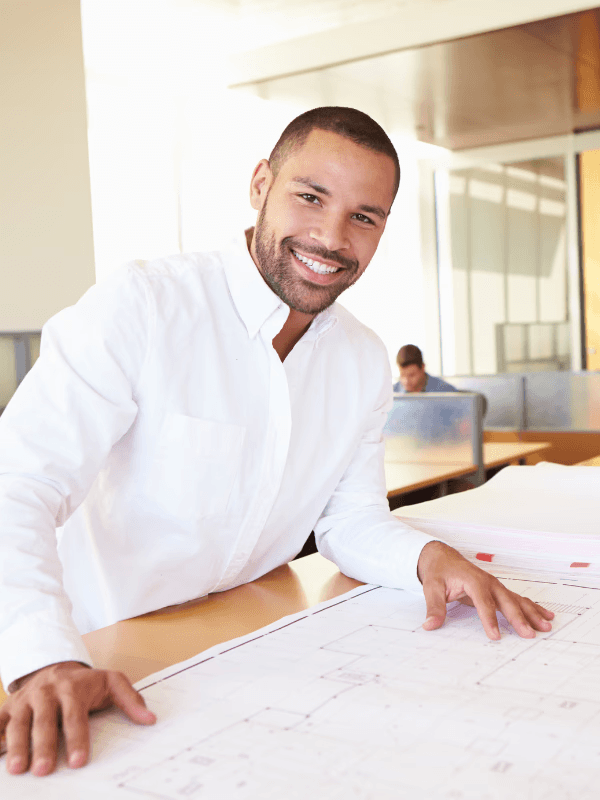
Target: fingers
125,697
540,614
76,730
435,598
62,695
485,605
44,733
17,743
523,614
510,605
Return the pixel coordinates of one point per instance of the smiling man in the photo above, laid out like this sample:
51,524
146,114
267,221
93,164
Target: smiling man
131,435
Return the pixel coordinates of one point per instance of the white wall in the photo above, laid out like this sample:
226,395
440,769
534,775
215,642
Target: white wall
172,155
46,248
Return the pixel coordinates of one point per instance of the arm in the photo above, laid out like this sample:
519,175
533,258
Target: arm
358,533
55,434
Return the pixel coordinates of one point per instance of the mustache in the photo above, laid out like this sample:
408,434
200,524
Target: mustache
320,253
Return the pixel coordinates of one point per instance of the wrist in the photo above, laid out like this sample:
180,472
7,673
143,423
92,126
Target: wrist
430,552
59,665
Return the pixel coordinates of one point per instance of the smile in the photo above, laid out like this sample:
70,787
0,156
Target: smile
315,266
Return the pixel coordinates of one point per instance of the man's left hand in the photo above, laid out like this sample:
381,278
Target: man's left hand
447,576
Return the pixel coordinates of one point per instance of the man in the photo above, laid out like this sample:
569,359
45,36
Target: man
131,433
413,377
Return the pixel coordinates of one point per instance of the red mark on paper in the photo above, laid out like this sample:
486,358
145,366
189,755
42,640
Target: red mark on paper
487,557
577,564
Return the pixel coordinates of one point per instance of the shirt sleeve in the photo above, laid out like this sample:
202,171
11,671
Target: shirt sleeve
357,531
55,434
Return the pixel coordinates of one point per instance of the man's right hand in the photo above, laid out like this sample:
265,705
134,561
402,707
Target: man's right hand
60,697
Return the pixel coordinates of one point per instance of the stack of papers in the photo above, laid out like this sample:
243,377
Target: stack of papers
542,520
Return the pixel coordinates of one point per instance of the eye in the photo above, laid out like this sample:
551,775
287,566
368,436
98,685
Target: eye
310,198
363,218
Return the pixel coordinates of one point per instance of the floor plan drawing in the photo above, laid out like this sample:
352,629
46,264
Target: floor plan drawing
354,700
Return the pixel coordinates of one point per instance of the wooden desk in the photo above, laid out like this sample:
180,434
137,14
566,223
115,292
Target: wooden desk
590,462
496,454
403,477
146,644
143,645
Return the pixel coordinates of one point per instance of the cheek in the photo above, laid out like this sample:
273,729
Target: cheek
365,248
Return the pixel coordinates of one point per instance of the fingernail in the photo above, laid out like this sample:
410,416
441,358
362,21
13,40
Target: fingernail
77,759
41,766
15,765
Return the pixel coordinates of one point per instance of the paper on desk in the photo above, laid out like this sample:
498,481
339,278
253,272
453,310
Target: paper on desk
355,700
542,519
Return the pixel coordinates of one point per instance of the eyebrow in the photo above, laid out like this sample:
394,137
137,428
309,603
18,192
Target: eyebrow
316,187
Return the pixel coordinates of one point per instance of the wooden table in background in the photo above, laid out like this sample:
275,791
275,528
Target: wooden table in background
404,477
401,478
143,645
496,454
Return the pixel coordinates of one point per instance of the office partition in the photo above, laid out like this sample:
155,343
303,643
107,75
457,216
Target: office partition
440,428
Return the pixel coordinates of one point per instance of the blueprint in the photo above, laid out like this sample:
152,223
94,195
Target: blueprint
353,700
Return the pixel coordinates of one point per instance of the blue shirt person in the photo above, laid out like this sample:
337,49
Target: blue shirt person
413,377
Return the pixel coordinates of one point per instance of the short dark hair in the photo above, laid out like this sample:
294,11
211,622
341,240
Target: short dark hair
349,122
409,354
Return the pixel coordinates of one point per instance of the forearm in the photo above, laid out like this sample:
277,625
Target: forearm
373,546
36,628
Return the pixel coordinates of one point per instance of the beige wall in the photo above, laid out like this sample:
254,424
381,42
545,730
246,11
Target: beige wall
46,247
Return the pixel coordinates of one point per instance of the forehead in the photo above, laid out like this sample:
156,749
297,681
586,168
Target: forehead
338,163
410,368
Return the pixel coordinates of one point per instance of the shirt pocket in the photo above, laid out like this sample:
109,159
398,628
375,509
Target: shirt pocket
195,466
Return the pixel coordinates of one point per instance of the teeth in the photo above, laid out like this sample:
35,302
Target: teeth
316,266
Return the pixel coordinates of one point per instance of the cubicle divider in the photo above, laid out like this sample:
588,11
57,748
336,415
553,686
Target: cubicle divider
538,401
505,395
437,428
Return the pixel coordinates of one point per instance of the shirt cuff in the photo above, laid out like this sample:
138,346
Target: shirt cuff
29,646
407,577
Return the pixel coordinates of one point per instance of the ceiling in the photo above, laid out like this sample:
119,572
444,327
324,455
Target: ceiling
530,81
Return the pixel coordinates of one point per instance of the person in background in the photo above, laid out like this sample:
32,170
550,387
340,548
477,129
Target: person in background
413,377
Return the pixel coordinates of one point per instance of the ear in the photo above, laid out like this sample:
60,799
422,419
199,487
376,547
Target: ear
262,178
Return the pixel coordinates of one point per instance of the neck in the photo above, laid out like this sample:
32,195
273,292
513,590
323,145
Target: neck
293,330
295,325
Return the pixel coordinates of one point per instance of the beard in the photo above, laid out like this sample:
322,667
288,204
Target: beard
274,261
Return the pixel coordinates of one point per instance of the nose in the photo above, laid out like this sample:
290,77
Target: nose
331,231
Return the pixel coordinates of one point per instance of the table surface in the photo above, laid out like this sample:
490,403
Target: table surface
497,453
143,645
402,477
590,462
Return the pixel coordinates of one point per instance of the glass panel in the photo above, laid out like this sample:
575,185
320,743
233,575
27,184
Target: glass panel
430,428
509,267
504,396
563,400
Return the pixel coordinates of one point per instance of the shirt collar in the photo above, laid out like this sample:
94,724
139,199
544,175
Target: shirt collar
255,301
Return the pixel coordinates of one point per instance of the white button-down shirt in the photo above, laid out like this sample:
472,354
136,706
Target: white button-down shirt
177,455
